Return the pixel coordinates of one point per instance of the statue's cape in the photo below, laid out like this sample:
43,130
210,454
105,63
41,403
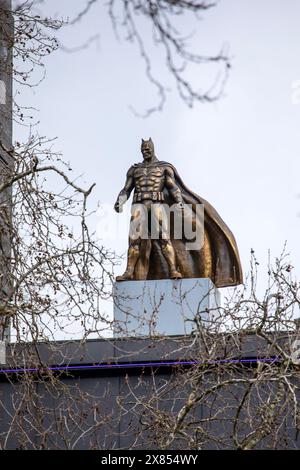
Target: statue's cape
217,259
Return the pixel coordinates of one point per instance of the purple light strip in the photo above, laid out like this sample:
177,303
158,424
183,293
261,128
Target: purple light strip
141,364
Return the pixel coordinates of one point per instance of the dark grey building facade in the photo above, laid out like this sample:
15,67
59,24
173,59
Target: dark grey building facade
117,394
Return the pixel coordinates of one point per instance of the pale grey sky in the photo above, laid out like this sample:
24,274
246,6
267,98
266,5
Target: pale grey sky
241,153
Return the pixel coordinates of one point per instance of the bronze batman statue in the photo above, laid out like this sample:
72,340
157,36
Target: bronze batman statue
157,185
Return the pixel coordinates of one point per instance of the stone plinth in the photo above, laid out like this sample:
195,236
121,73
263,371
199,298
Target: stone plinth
163,307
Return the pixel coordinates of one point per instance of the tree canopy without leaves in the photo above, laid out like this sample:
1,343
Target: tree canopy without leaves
165,20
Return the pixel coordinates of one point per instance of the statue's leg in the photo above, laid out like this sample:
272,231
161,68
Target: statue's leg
132,257
161,222
170,257
134,246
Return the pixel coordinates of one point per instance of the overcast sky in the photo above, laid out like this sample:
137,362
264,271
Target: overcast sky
241,153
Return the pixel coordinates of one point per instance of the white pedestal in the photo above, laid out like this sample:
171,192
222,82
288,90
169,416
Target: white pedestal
163,307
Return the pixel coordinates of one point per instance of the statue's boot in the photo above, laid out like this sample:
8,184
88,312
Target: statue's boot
175,274
127,276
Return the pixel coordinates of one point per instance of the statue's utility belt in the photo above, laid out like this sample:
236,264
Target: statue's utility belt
153,195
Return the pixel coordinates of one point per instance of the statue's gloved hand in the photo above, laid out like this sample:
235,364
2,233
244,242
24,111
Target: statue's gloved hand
118,207
122,198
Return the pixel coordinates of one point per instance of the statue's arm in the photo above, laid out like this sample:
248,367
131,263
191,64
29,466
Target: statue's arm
125,192
172,187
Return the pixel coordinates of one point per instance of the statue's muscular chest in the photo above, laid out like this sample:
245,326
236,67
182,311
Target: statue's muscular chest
149,178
